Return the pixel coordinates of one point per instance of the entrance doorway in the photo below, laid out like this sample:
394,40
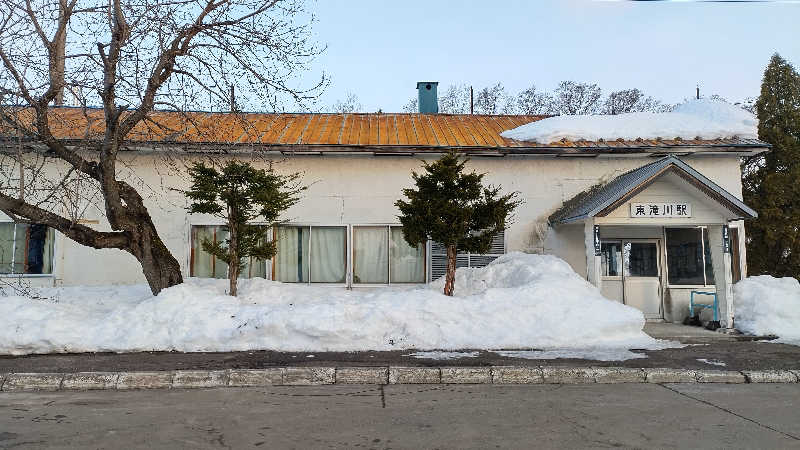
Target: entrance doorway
632,274
641,276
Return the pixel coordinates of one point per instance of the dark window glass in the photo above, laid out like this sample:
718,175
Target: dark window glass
26,248
641,259
709,265
611,259
685,256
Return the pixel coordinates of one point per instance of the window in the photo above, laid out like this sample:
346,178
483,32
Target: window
26,249
381,255
205,265
439,256
611,259
641,259
315,254
370,255
689,257
406,263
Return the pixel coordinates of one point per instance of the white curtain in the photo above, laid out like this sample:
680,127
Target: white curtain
20,248
291,257
202,262
252,268
220,268
370,254
328,254
408,263
6,246
47,257
205,265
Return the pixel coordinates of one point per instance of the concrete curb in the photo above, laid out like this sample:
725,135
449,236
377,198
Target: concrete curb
379,375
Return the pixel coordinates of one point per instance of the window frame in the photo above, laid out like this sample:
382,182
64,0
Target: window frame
53,264
189,249
351,257
621,256
349,249
347,243
700,229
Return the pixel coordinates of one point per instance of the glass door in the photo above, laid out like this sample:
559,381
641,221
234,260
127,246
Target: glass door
642,276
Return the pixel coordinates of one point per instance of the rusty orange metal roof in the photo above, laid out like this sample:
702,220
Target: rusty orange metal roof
337,132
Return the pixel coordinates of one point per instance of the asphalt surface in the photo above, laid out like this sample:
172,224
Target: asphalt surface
736,355
414,417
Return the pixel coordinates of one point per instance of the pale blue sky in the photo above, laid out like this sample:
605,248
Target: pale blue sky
380,49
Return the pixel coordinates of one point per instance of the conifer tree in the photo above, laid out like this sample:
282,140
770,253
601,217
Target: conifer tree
771,181
241,194
454,208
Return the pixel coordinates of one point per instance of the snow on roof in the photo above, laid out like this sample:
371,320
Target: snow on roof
703,119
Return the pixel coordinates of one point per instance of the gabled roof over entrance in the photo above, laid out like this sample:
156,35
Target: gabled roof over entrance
601,199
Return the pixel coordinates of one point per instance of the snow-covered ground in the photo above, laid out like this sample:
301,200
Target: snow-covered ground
520,301
707,119
768,305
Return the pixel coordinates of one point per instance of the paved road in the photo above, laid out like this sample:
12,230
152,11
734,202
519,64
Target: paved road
468,416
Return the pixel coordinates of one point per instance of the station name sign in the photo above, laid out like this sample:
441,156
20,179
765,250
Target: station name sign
654,210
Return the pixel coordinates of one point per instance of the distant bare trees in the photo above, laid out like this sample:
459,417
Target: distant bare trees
631,100
350,104
569,98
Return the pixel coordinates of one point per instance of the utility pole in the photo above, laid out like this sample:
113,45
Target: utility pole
698,92
233,100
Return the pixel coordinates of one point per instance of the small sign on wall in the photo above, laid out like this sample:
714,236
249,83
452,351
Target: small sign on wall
597,248
654,210
726,239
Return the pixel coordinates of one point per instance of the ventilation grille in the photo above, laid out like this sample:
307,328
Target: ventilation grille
439,256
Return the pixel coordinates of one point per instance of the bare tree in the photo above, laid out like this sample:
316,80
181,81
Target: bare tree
572,98
454,100
530,101
411,106
350,104
129,58
630,100
491,100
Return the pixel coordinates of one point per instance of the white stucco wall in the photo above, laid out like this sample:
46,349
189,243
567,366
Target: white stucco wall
362,189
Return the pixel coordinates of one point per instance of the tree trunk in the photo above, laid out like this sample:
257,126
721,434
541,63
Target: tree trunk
450,276
160,268
233,265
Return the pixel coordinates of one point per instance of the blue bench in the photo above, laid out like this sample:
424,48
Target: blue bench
692,304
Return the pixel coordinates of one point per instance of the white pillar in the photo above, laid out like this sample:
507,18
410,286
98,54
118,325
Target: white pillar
592,260
723,277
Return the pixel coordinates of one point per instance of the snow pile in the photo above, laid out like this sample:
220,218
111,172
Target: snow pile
706,119
519,301
768,305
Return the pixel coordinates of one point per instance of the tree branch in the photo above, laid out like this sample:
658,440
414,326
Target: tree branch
77,232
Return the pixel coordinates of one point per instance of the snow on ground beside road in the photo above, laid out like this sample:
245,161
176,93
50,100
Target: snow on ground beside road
599,354
518,301
443,356
713,362
707,119
768,305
